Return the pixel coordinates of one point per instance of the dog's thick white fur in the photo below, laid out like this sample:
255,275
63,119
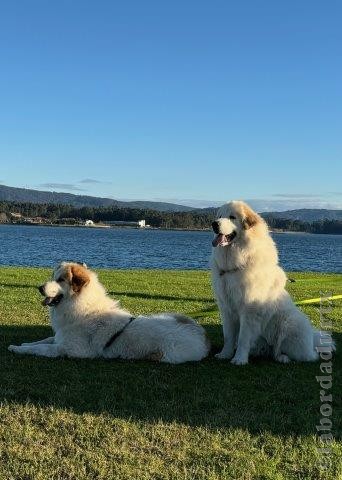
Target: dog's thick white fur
85,321
258,315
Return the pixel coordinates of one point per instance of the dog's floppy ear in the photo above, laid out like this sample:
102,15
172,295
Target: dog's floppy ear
79,277
250,218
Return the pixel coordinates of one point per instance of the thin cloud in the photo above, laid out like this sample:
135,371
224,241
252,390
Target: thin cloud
94,181
295,195
62,186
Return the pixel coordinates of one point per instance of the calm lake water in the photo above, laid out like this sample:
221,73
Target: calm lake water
131,248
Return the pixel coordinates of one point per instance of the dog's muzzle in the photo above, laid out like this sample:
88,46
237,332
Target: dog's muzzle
222,240
49,301
52,301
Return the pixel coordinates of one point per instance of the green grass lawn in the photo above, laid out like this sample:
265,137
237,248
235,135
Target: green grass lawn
64,419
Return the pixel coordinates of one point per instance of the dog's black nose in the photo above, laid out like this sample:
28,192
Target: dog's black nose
41,289
216,226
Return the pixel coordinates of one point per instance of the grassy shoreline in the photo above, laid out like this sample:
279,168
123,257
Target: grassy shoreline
81,419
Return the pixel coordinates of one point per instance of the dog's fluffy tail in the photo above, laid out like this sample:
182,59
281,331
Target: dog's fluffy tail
322,339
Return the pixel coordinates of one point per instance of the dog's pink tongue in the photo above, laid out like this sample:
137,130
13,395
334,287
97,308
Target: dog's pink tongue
218,240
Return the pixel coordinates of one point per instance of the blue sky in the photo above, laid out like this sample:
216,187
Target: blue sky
185,101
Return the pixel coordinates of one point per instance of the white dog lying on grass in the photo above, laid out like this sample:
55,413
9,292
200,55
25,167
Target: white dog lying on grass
257,313
88,324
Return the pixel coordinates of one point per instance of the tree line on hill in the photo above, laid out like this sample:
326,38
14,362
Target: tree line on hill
321,226
59,214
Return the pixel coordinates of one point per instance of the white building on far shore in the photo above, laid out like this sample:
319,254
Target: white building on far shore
127,223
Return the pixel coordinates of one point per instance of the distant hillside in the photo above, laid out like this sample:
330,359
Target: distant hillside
306,215
13,194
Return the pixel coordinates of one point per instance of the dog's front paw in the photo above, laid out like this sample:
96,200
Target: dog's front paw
237,360
282,358
224,355
13,348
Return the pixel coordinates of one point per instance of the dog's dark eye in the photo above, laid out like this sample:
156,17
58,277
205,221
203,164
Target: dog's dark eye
60,280
232,217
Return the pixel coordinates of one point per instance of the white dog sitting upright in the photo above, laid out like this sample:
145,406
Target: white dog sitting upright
88,324
257,313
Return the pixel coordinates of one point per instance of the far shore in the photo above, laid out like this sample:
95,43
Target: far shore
130,227
98,225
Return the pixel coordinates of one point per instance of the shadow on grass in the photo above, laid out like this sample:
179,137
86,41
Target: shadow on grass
262,396
153,296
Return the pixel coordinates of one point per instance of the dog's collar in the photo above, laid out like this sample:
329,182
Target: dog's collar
232,270
118,333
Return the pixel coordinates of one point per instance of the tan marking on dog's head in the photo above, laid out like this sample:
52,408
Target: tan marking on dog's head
249,217
77,276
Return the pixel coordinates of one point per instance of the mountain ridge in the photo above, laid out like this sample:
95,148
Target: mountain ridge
306,214
16,194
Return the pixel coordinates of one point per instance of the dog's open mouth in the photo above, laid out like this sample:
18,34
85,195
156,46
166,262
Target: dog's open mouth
223,240
52,301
